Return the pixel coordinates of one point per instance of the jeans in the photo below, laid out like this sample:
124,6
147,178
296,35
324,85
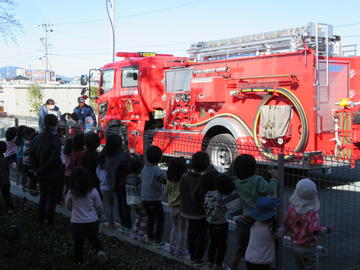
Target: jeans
155,212
109,206
197,238
47,202
218,239
81,231
123,209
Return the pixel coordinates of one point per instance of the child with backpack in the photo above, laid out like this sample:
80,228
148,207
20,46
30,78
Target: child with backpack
152,179
302,222
215,208
133,199
260,252
85,204
176,169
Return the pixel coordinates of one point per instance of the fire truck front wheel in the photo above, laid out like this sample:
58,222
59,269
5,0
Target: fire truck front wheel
222,150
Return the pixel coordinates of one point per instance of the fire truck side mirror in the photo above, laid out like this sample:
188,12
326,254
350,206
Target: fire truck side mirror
83,91
84,79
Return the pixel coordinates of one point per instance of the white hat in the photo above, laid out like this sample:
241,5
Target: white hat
305,197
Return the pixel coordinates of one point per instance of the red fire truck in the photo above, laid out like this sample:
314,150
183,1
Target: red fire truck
291,91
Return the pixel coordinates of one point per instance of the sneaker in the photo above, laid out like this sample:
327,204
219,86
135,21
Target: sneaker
101,254
10,211
126,230
148,241
173,251
114,226
33,192
197,263
158,244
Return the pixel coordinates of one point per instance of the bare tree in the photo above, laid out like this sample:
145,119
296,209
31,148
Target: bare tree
9,24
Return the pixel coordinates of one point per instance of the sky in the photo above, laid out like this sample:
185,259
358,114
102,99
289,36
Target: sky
81,36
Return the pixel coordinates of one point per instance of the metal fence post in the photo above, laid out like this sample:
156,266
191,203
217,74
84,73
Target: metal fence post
16,122
281,175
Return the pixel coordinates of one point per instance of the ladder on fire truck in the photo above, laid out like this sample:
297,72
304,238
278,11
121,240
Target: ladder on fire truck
316,35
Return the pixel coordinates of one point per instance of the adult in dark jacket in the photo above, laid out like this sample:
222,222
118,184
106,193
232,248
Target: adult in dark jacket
45,155
48,108
83,110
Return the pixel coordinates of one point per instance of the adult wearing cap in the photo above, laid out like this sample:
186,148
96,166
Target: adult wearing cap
83,111
48,108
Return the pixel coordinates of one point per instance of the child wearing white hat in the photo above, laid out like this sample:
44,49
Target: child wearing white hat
303,224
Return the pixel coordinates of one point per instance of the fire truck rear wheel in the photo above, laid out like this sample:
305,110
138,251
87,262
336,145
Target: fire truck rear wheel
222,150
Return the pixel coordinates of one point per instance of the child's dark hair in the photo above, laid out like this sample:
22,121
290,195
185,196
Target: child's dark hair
92,141
136,166
176,168
80,185
20,135
153,154
29,133
113,145
78,142
3,147
208,179
10,134
74,117
68,147
224,184
244,166
200,161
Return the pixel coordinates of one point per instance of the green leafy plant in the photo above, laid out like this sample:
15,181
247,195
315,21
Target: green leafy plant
93,93
35,97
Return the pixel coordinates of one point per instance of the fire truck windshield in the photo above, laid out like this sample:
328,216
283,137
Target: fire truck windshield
107,80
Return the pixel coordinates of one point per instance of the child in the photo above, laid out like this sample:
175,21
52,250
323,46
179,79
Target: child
303,224
20,173
176,169
260,252
133,198
10,154
192,206
115,159
66,161
29,134
89,124
152,179
91,158
5,180
215,209
250,187
85,204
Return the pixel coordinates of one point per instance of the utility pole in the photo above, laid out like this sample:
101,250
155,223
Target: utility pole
111,15
44,40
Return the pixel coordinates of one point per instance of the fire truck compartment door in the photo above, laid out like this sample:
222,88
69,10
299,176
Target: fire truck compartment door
209,89
275,121
236,129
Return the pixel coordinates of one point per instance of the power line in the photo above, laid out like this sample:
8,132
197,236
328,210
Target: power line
138,14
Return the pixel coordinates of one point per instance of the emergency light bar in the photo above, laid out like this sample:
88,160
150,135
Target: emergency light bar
139,54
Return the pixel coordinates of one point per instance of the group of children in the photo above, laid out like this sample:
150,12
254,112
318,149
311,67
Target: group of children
200,199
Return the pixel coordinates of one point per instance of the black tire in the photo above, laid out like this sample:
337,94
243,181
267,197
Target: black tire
222,150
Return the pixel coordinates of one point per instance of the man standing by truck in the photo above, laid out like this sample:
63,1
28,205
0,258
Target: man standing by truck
84,112
48,108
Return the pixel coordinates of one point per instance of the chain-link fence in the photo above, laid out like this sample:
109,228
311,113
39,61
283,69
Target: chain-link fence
337,180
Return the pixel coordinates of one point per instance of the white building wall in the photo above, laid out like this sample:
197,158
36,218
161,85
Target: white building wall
16,100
